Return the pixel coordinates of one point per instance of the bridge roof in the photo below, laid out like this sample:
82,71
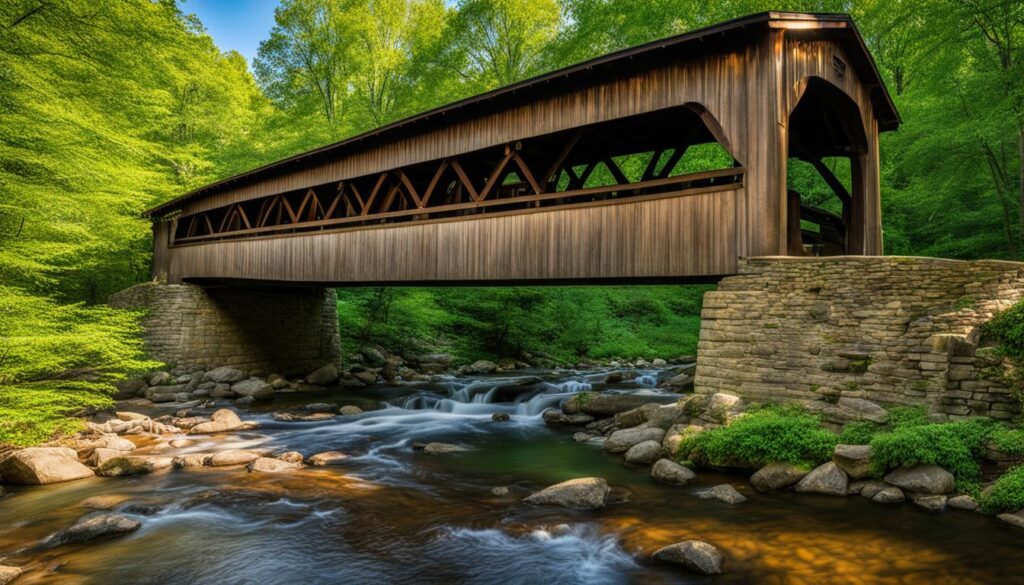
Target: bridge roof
839,26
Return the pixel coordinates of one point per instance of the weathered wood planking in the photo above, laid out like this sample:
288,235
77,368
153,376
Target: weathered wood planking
749,86
654,238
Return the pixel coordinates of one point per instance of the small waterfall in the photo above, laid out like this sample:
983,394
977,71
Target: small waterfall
647,380
492,395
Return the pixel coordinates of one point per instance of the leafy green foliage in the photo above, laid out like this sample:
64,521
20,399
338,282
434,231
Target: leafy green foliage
956,447
1008,328
1006,494
1009,441
31,413
762,436
558,324
859,433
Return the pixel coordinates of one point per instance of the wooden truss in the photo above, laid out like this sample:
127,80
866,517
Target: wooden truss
510,178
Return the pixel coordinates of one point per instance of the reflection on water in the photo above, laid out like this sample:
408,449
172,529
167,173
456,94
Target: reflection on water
391,515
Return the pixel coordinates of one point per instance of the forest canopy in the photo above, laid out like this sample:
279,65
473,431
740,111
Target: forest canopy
108,107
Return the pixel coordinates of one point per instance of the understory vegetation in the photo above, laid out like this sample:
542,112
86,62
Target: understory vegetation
546,325
789,434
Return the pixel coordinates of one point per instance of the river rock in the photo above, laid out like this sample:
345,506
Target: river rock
931,503
693,554
871,488
860,409
366,377
666,416
102,455
481,367
963,502
8,574
124,466
584,436
621,441
189,422
104,502
350,410
253,387
603,404
922,479
222,391
613,377
232,457
776,476
888,495
190,460
93,527
127,416
501,417
826,479
222,421
855,460
500,491
117,443
723,407
326,375
680,382
326,458
675,435
271,465
303,417
669,472
1013,519
634,416
43,465
723,493
224,375
581,493
557,417
442,448
644,453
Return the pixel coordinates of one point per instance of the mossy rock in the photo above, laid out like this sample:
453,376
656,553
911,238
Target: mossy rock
124,466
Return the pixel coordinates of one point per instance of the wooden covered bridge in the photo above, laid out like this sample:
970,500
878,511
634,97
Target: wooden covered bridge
580,175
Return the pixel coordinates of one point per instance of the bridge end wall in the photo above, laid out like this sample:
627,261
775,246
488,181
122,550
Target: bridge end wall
191,328
844,335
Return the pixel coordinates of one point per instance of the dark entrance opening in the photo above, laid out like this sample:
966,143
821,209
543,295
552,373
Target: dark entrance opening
825,189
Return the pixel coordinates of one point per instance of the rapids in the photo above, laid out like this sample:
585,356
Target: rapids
388,514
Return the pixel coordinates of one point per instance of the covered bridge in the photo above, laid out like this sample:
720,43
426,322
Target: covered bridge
579,175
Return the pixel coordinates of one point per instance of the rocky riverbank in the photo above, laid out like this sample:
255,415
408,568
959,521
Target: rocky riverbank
391,437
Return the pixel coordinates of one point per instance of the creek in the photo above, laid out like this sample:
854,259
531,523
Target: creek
388,514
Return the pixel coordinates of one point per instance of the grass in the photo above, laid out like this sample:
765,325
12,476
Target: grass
34,413
762,436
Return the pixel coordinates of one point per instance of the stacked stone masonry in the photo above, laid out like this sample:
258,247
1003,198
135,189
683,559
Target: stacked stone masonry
829,333
191,328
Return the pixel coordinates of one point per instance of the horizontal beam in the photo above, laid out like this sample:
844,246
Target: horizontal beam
306,228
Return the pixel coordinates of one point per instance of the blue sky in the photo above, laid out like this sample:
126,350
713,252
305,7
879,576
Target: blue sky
235,24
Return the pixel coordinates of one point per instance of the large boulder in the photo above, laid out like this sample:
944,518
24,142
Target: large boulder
635,416
855,460
675,435
253,387
644,453
222,421
125,466
693,554
224,375
481,367
232,457
922,479
93,527
603,404
326,458
621,441
724,407
324,376
860,409
723,493
43,465
102,455
581,493
963,502
190,460
271,465
826,479
669,472
373,356
776,476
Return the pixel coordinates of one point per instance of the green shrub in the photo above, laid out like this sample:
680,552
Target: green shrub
907,416
1007,493
956,447
1008,328
34,413
1010,441
859,433
771,433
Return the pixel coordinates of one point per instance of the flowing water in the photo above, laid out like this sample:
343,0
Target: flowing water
387,514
